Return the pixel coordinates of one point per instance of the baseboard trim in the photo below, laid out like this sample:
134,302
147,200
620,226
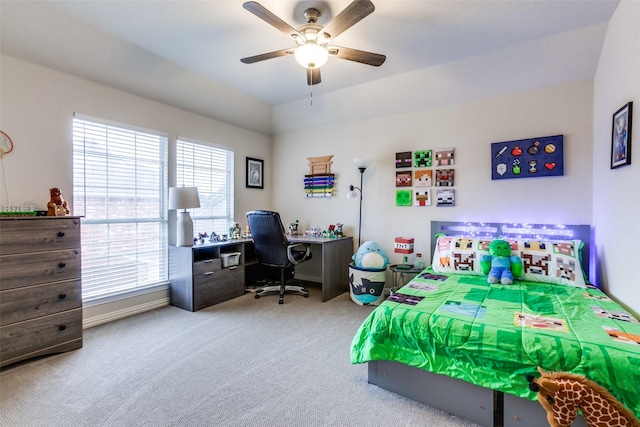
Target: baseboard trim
122,313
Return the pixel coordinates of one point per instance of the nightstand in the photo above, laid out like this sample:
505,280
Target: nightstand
402,274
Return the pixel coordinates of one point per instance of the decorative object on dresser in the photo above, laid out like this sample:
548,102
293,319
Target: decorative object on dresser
184,198
40,287
57,206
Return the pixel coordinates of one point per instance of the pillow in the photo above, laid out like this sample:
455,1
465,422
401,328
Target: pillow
552,261
547,261
455,254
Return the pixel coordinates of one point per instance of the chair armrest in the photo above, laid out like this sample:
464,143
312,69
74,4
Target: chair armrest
291,247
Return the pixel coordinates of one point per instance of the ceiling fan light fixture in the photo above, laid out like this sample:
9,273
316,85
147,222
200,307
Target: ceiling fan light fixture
311,55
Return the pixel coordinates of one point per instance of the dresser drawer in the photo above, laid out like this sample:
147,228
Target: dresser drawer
46,234
31,336
207,266
39,267
21,304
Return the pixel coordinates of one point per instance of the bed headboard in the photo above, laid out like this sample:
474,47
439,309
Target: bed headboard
521,231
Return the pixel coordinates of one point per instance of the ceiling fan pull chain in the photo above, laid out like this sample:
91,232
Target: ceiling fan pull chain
311,98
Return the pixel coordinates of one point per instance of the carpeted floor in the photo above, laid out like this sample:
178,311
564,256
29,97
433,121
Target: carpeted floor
245,362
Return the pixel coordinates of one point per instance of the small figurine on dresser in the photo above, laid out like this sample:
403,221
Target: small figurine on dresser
57,206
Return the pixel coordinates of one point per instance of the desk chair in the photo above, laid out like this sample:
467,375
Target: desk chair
273,249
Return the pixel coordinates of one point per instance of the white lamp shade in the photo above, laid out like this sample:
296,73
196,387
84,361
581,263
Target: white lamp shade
311,55
362,162
183,198
352,194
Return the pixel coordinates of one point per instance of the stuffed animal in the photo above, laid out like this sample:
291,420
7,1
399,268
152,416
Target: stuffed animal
57,206
371,255
499,265
561,394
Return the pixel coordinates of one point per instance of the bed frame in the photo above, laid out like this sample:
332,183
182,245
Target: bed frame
466,400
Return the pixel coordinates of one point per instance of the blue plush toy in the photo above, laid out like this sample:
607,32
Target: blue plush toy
371,255
500,265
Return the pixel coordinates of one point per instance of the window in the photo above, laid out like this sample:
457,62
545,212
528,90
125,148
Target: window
211,170
120,187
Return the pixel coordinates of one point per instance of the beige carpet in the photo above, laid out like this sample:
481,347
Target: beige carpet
245,362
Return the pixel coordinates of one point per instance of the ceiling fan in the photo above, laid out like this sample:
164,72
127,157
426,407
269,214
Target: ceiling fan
312,40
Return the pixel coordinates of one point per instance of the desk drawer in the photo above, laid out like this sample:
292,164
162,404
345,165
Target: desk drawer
33,335
207,266
217,287
39,267
27,303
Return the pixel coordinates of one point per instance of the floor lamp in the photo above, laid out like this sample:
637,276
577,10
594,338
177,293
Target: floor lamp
362,165
184,198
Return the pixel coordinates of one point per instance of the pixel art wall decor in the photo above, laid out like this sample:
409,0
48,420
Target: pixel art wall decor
423,197
403,160
444,177
403,197
422,159
528,158
403,179
445,157
446,197
423,178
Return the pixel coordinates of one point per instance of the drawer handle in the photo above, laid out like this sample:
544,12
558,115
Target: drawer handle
60,233
208,273
207,261
62,296
62,265
62,327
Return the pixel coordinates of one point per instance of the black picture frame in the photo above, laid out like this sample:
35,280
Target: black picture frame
255,173
621,136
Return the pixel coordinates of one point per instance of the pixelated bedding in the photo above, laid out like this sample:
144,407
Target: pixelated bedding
493,335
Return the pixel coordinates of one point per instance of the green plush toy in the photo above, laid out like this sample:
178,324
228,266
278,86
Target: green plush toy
499,265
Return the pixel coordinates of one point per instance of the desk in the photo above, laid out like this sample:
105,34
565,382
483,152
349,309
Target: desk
329,264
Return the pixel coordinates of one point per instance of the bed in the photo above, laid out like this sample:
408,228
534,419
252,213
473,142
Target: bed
453,341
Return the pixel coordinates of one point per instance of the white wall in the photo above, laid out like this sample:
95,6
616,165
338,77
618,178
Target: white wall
37,106
470,128
616,198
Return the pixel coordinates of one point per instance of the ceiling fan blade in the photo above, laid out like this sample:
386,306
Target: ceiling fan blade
356,55
266,15
313,76
351,15
265,56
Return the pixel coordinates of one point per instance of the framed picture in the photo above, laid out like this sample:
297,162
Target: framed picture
621,137
255,173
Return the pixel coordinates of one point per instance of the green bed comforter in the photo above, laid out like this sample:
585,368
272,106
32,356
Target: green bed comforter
493,335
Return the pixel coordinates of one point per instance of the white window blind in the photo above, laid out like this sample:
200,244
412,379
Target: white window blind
210,169
120,187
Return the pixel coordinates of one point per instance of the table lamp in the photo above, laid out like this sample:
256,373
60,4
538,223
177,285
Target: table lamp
184,198
403,245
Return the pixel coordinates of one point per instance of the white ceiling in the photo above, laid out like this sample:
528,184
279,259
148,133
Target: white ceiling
171,50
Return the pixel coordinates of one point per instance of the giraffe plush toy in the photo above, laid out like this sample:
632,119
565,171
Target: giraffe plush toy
561,394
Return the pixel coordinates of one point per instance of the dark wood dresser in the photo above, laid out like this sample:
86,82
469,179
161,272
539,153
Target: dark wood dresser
40,287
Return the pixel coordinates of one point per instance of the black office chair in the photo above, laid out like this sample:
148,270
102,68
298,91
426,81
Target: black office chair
273,249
